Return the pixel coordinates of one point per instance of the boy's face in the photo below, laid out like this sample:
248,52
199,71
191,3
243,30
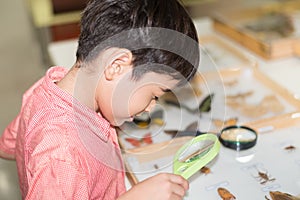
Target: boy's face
121,99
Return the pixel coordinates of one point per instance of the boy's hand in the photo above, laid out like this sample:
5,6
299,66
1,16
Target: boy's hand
163,186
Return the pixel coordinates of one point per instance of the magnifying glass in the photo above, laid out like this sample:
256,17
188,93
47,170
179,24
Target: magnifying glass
195,154
238,137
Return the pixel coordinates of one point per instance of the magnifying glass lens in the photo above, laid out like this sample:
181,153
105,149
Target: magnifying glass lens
196,151
238,137
238,134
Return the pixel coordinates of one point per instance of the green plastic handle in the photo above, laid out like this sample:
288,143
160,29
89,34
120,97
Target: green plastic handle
187,169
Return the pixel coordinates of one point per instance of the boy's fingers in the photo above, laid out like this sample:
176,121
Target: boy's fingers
176,197
179,180
178,190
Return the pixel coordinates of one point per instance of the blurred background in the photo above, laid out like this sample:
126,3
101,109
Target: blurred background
28,28
20,66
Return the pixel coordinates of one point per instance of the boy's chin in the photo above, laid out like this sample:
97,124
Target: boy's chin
118,122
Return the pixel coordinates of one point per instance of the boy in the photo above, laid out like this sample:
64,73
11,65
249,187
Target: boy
130,52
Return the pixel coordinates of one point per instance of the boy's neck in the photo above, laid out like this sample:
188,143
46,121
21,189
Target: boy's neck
67,83
74,85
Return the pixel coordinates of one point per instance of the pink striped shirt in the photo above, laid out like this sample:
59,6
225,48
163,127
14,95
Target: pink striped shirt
63,149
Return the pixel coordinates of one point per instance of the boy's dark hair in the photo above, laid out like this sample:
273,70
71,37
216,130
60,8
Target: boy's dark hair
103,19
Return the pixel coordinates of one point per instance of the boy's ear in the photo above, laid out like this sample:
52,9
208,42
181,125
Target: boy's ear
120,62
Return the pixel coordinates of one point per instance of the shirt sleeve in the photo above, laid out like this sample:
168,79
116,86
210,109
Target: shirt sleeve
8,138
59,180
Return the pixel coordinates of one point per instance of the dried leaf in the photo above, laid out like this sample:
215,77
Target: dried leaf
276,195
205,105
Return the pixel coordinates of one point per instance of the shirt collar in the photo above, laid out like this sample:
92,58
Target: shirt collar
82,114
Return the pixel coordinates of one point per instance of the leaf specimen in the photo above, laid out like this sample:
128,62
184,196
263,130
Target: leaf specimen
205,105
229,122
225,194
276,195
205,170
147,139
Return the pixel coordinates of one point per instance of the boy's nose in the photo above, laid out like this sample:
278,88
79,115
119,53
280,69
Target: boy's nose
151,105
